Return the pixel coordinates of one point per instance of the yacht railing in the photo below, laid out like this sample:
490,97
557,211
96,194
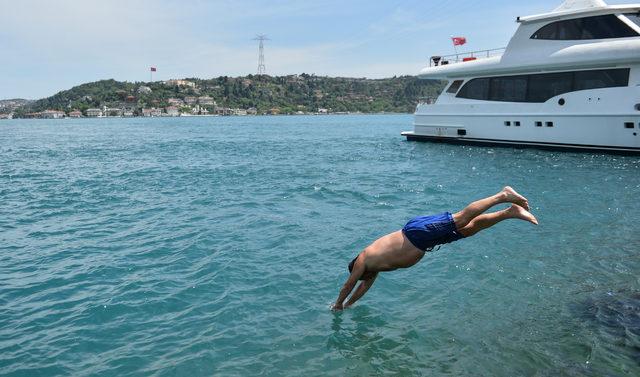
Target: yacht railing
465,56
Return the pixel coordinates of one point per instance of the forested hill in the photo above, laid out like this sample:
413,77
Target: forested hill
287,94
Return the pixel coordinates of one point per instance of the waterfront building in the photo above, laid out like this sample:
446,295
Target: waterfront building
75,114
52,114
93,113
252,111
172,111
152,112
128,113
223,110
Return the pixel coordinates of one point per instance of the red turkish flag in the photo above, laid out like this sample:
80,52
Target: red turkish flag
459,41
153,69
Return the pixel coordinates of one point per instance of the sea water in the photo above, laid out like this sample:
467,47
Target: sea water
214,246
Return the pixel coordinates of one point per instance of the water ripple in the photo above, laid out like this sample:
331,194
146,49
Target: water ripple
213,246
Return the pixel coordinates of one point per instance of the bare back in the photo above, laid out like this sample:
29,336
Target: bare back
391,252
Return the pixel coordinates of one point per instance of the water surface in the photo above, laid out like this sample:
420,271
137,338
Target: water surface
214,246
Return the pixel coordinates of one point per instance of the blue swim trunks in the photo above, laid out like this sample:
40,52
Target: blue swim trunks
425,232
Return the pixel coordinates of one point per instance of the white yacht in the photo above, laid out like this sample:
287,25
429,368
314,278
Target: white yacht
567,79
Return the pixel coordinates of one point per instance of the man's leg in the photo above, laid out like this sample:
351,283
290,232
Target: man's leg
487,220
507,195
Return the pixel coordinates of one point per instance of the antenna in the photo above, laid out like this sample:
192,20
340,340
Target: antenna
261,38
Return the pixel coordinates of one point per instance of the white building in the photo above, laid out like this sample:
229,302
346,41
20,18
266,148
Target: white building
186,83
52,114
94,113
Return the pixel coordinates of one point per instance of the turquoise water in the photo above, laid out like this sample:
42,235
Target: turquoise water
214,246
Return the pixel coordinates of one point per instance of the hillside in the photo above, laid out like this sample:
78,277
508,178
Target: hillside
285,94
9,105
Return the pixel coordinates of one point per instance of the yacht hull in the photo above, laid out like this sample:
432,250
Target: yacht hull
619,133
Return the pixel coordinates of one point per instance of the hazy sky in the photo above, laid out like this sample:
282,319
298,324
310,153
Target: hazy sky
51,45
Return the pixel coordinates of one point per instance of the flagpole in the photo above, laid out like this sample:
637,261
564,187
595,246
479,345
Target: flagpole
455,48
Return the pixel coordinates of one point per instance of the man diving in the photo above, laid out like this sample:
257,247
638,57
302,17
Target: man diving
405,247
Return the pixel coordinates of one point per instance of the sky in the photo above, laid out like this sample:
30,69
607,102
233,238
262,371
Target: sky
51,45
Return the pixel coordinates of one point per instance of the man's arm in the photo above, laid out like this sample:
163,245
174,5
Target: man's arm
356,272
362,289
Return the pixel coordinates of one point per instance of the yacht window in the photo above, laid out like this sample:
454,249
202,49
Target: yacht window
544,86
509,88
475,89
604,78
634,17
596,27
453,88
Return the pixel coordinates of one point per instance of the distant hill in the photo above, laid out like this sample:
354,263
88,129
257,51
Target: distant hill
286,94
9,105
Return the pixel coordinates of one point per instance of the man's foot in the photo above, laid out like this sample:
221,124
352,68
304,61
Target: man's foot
513,197
517,212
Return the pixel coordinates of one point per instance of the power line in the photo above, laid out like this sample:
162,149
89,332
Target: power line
261,38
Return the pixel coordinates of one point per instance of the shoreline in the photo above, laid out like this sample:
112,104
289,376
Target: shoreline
209,116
